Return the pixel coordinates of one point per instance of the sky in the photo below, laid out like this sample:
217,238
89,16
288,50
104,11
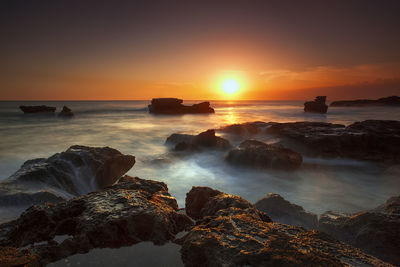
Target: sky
123,50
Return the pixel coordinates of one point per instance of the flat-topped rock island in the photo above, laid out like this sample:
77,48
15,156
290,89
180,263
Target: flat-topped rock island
173,106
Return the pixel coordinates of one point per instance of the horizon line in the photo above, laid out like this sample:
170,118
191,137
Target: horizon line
76,100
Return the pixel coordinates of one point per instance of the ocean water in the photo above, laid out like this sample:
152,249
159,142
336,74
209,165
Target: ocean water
320,185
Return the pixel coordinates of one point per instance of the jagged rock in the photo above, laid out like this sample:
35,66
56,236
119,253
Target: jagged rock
374,231
76,171
230,231
247,128
206,139
385,101
316,106
37,109
129,212
282,211
66,112
257,154
173,106
375,140
13,257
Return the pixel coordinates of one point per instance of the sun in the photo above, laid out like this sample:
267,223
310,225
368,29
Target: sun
230,86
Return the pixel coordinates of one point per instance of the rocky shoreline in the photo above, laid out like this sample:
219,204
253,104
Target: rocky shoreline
221,229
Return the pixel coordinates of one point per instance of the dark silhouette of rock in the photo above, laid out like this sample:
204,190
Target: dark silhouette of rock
374,231
37,109
172,106
282,211
66,112
230,231
385,101
257,154
375,140
207,139
76,171
132,211
316,106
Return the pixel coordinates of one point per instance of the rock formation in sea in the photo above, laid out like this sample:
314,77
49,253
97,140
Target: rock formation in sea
172,106
78,170
373,140
187,142
316,106
256,154
375,231
282,211
230,231
37,109
243,129
66,112
132,211
385,101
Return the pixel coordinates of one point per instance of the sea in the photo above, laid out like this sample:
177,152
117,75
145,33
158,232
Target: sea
320,185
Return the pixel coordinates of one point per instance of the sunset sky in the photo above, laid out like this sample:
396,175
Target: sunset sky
121,50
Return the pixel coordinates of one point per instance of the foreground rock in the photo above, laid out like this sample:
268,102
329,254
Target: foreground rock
253,153
78,170
231,232
316,106
375,231
37,109
282,211
13,257
66,112
385,101
132,211
173,106
187,142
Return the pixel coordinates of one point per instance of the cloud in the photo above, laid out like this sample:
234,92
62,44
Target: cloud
323,76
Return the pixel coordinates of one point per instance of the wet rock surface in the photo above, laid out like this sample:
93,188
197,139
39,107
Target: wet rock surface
13,257
256,154
247,128
230,231
37,109
76,171
129,212
385,101
173,106
282,211
316,106
66,112
187,142
372,140
375,231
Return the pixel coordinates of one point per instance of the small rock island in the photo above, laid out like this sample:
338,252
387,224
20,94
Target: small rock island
173,106
316,106
37,109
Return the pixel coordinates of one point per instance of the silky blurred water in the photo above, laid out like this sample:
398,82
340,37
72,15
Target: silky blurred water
318,186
